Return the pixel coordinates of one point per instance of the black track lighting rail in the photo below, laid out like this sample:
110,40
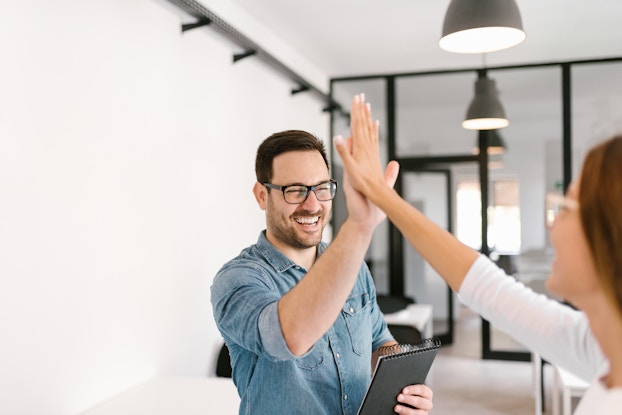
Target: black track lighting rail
205,17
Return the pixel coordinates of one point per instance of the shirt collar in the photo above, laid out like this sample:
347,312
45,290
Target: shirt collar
276,258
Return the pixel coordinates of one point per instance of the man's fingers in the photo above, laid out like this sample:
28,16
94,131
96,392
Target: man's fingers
344,148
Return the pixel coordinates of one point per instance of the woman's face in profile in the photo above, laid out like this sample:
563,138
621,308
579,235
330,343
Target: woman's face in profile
573,275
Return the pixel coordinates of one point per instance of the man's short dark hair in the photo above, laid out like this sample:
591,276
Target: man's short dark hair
283,142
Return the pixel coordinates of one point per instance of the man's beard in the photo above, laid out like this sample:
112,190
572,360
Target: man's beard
290,237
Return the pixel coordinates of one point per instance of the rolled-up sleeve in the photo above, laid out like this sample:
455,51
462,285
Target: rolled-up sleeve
271,334
246,311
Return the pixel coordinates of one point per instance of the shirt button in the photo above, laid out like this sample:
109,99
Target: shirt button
297,267
338,355
345,397
351,310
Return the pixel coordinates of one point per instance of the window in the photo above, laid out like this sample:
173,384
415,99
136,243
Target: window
504,225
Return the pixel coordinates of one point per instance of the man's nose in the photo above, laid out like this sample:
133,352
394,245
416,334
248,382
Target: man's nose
311,199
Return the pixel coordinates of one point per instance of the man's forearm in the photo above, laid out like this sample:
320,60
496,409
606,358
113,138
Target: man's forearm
309,309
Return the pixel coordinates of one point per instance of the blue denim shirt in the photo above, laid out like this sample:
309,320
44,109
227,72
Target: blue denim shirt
332,377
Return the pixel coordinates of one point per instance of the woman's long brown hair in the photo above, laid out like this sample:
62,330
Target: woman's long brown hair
600,201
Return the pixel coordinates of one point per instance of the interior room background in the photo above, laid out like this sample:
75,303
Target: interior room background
552,106
126,168
126,172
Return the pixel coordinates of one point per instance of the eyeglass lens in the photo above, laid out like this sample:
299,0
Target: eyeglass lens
552,208
555,203
298,194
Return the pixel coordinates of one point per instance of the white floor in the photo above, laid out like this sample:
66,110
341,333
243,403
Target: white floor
463,383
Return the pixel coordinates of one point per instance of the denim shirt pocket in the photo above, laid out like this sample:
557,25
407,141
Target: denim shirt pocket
314,358
355,314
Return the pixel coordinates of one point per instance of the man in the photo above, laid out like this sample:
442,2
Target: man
300,318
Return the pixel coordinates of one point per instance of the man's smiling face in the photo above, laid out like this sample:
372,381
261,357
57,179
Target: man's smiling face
299,226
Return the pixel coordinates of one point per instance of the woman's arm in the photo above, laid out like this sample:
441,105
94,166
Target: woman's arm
544,325
361,157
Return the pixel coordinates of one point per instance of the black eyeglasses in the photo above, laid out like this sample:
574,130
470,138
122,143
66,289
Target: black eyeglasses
298,193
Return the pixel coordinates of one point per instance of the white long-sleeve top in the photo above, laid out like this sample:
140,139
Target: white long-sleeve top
558,333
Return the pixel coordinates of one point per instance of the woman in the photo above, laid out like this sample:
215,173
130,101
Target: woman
587,272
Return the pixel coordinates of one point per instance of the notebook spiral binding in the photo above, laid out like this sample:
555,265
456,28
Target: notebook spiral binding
426,344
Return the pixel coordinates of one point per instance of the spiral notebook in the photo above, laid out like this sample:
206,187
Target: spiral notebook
398,366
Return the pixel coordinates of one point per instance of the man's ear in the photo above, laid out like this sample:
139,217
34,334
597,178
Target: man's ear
261,195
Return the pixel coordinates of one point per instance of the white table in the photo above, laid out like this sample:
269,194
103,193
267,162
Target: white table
418,316
174,395
566,385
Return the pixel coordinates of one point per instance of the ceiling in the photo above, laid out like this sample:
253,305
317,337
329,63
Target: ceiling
354,37
376,37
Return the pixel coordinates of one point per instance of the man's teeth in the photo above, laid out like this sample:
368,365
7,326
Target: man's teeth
307,221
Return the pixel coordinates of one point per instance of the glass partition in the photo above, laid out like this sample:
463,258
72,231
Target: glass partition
429,111
596,103
556,113
430,191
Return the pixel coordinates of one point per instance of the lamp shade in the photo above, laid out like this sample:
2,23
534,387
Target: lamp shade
480,26
495,143
485,111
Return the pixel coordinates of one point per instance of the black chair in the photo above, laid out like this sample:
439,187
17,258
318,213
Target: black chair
404,334
392,303
223,365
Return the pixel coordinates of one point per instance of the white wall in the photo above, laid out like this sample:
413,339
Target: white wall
126,167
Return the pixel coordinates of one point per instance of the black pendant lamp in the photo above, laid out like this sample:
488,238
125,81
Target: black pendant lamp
485,111
495,143
480,26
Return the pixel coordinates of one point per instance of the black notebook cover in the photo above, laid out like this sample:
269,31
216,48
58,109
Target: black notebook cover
398,366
